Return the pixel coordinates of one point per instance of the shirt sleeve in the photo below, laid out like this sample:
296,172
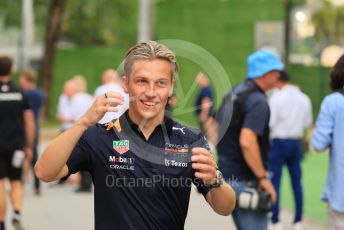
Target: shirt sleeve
257,114
273,104
80,159
26,102
322,136
201,142
309,114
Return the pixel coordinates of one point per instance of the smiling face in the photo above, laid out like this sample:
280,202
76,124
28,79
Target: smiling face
149,86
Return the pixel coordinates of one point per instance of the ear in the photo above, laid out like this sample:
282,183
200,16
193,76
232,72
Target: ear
170,93
125,84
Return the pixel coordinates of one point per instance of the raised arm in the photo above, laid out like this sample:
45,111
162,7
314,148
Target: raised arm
52,163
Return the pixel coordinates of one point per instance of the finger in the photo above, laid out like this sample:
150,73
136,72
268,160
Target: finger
205,159
114,94
204,168
112,109
200,151
113,101
106,108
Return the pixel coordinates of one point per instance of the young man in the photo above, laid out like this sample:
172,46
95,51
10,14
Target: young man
142,163
243,145
291,114
27,81
17,129
204,100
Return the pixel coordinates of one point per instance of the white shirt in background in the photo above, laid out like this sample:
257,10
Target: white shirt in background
73,108
109,116
291,113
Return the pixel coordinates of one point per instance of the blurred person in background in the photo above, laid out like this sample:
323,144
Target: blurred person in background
243,144
291,115
328,134
17,128
71,105
111,81
66,105
84,101
35,95
204,99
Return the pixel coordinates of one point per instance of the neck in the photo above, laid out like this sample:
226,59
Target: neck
27,87
260,84
281,85
147,126
5,79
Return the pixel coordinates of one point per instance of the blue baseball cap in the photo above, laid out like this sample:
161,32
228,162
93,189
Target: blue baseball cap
261,62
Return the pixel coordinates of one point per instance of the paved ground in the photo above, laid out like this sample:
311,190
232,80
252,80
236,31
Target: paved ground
60,208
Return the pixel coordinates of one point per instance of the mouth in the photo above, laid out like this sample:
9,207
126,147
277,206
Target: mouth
149,104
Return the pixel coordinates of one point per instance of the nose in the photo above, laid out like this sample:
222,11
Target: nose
150,90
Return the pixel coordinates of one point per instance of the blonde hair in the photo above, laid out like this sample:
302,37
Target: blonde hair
149,51
29,74
81,83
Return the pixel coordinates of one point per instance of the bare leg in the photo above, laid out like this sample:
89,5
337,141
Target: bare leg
17,194
2,200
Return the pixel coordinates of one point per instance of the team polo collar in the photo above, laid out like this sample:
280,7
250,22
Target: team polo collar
166,124
253,84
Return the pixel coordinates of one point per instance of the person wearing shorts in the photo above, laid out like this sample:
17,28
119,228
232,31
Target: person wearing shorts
17,128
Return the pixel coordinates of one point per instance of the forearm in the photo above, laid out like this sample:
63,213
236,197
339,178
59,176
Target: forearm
55,156
204,114
254,160
222,199
251,152
29,129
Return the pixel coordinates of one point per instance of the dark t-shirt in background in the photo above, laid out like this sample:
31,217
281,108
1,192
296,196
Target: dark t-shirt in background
36,99
205,92
13,103
256,117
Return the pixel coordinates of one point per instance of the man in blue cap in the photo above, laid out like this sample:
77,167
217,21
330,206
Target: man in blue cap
243,143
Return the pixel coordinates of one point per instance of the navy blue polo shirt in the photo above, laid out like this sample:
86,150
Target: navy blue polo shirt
139,183
205,92
256,117
36,98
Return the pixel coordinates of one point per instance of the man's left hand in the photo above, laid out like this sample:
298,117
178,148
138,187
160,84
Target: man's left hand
204,164
28,154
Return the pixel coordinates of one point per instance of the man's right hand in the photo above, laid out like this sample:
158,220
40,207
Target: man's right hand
266,185
103,103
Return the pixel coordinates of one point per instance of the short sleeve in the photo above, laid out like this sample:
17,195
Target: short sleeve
257,113
322,135
208,93
80,159
274,107
26,102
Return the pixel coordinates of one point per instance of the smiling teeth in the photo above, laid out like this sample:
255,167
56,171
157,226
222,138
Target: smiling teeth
149,103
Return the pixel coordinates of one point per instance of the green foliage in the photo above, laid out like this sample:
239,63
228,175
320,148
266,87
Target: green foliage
11,9
224,28
329,24
100,22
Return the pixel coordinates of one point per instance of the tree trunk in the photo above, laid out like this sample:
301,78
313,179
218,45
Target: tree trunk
52,34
